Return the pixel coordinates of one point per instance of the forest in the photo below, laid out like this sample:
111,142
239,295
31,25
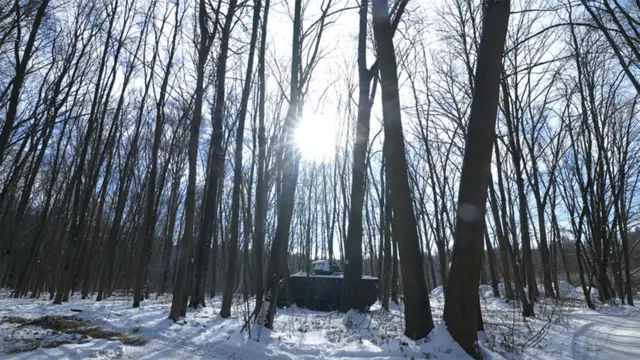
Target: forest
212,148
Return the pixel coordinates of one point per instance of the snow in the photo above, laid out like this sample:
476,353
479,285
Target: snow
16,337
564,331
437,292
607,336
486,291
568,291
95,349
299,333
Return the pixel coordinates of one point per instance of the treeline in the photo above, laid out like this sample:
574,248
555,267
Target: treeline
151,146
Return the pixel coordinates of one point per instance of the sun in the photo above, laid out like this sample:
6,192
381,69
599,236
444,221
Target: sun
316,138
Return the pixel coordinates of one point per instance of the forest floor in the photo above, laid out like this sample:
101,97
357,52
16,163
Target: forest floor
81,329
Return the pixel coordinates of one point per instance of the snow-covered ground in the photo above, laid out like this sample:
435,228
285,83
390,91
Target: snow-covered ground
566,331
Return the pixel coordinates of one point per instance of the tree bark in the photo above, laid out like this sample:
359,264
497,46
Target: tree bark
227,296
289,164
491,260
189,207
262,181
461,304
418,318
353,245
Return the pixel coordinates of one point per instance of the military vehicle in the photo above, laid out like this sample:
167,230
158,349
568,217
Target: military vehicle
322,290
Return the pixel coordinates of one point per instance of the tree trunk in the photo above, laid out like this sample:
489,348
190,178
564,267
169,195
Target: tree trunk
227,296
491,262
388,269
289,164
149,221
418,319
523,204
262,182
583,283
353,246
216,159
527,308
504,256
461,304
189,207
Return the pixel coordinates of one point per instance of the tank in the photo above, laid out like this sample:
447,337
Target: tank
322,290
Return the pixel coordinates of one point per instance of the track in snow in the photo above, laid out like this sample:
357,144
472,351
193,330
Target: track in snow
610,337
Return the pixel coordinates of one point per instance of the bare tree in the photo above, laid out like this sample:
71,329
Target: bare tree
21,65
461,299
418,320
227,297
185,244
262,180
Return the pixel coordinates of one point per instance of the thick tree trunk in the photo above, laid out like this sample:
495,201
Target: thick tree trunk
418,318
461,299
289,164
209,217
353,246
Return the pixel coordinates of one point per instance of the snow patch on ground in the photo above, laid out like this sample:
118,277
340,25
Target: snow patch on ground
564,330
298,334
95,349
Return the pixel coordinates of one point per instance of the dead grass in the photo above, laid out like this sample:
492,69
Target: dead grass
82,330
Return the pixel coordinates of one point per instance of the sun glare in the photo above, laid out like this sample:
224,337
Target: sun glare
315,137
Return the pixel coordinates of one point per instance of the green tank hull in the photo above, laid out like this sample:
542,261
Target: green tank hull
323,292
